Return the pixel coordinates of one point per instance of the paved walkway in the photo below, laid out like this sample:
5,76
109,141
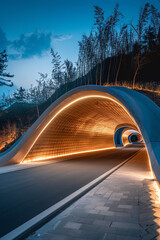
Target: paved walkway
126,206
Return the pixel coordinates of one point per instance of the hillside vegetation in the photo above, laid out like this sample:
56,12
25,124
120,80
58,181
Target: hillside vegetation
115,53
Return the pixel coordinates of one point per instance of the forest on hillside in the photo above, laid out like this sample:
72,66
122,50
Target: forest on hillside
114,53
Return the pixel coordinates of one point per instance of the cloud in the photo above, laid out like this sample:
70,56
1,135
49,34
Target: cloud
30,44
61,37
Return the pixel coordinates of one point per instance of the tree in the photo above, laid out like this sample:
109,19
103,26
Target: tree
33,96
122,47
99,23
3,101
82,58
42,89
149,41
90,52
140,60
155,19
20,94
87,54
142,21
57,70
69,72
113,36
3,66
139,57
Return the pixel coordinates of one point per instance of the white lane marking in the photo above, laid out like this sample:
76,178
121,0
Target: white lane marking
61,205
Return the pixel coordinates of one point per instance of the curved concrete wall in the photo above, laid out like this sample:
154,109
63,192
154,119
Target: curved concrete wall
85,119
87,124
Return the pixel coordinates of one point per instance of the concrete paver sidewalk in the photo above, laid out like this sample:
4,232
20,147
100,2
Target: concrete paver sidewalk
125,206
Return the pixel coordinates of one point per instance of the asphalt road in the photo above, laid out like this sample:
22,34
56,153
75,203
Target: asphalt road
26,193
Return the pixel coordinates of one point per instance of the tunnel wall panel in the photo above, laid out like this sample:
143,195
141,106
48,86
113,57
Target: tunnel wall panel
89,124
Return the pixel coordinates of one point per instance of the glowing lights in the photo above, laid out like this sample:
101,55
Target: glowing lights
67,154
126,137
157,191
93,129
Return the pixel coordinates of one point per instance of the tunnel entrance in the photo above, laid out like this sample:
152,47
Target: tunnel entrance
134,139
86,119
127,135
85,124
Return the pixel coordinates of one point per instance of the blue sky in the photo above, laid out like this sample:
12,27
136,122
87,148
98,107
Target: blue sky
29,28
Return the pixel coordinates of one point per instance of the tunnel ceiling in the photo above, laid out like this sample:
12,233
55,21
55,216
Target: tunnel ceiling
87,124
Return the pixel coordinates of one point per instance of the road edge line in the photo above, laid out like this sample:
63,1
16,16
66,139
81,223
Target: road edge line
36,222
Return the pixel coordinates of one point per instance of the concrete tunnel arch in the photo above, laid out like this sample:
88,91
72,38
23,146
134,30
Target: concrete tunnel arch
85,119
123,136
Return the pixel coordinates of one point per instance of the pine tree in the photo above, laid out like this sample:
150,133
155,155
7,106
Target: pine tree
70,71
20,94
57,70
3,66
149,39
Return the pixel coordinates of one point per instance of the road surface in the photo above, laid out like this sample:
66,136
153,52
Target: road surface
28,192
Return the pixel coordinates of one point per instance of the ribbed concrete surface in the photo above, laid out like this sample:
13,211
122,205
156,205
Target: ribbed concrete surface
88,124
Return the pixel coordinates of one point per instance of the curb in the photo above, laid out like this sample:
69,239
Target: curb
25,229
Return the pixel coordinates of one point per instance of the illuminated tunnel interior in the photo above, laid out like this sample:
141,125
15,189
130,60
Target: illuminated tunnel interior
85,124
87,119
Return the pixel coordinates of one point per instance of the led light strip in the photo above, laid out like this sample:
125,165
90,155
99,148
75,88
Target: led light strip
67,154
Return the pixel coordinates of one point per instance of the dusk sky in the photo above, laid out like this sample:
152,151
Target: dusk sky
29,28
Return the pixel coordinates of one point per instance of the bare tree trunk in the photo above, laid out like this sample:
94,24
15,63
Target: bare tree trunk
37,109
91,73
66,85
118,70
135,74
100,80
109,70
134,78
84,74
97,74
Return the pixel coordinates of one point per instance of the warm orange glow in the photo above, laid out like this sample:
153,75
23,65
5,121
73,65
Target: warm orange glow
67,154
127,133
157,191
136,87
150,165
60,111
